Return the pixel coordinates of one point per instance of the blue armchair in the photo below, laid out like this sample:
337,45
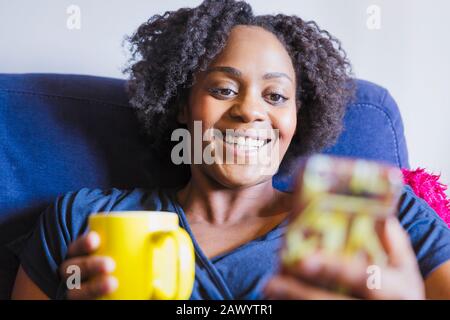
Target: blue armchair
63,132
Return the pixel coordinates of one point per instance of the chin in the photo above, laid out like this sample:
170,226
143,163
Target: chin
238,176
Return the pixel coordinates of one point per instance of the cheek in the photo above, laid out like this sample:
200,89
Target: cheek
286,122
197,108
205,109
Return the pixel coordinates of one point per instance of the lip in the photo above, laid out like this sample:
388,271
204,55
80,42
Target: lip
253,133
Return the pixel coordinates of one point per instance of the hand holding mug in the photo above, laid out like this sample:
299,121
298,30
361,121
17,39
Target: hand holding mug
133,255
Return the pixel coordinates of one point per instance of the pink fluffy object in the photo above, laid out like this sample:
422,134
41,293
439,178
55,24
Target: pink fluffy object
427,187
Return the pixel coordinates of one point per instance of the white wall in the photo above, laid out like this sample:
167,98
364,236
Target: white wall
409,54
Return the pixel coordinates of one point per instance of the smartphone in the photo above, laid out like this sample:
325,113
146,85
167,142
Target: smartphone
337,204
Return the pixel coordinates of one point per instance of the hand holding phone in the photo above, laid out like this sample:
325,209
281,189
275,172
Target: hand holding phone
338,203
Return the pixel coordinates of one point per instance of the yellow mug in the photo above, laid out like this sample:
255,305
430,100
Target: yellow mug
154,256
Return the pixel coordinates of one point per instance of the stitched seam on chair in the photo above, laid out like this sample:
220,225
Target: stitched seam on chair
64,97
393,132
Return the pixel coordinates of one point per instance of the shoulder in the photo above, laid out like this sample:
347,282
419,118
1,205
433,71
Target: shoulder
429,234
70,211
43,249
413,209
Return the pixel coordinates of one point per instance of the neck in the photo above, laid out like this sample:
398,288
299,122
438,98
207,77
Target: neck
204,200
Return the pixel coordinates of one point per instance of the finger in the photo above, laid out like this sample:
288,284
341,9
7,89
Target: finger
397,285
84,245
397,244
325,270
94,288
289,288
89,266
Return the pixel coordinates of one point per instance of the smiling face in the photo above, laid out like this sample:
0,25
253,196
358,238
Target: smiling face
248,88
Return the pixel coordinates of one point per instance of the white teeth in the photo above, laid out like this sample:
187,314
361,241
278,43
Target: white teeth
244,142
229,139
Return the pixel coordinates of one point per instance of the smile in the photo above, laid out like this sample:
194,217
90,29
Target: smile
244,142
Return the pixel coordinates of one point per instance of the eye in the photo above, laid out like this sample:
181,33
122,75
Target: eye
276,98
223,92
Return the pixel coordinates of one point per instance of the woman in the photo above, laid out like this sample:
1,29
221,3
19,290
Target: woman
223,66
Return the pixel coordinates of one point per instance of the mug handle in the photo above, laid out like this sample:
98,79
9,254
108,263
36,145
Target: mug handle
173,279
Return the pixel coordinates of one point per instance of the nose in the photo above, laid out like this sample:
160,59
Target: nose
249,108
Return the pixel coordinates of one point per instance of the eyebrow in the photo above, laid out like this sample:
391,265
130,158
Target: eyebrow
238,74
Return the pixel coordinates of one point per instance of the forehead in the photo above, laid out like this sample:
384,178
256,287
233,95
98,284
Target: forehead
254,50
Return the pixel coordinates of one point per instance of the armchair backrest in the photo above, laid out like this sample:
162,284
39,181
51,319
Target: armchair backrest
63,132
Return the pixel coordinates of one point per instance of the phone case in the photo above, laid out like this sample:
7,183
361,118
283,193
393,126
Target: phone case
337,202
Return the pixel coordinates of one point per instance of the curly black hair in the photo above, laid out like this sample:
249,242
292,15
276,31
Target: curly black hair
169,49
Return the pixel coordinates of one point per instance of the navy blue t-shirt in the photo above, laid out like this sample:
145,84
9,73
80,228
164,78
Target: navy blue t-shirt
239,274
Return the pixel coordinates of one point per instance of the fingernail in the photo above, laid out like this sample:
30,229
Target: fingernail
110,264
110,284
94,239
